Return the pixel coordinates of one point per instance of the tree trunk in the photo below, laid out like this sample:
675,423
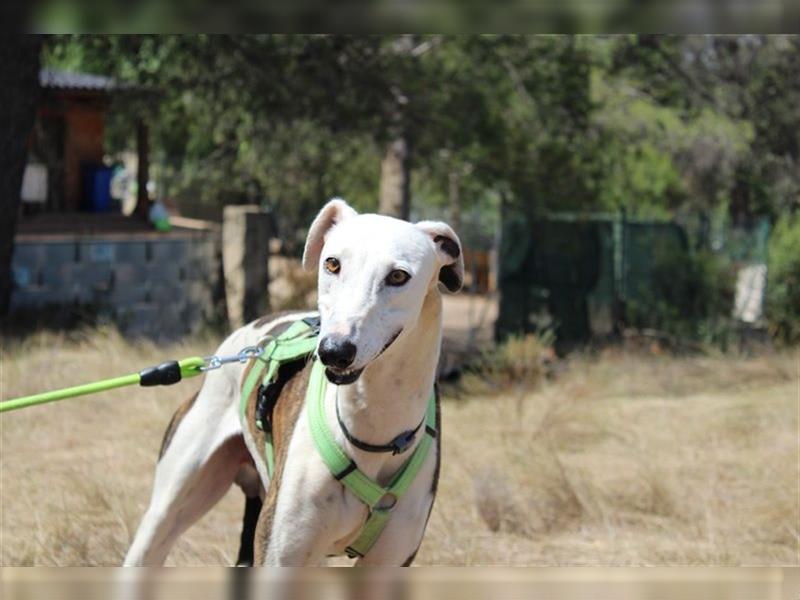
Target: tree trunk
142,209
395,194
19,95
454,193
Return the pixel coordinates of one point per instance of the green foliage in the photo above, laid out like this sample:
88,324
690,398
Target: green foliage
748,83
659,159
657,124
783,286
690,297
641,178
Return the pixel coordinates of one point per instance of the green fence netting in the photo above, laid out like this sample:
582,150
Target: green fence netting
573,273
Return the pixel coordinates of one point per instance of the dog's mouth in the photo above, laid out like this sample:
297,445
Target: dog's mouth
342,376
395,335
347,376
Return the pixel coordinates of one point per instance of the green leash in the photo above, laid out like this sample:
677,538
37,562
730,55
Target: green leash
166,373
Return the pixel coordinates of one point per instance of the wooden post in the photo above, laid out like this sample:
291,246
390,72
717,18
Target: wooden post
454,195
245,256
143,170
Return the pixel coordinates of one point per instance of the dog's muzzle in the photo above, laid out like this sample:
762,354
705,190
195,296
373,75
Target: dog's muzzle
337,354
342,377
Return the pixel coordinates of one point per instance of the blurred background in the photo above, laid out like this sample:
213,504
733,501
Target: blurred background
626,345
419,584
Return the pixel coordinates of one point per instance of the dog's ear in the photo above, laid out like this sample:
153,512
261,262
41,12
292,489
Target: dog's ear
335,211
448,247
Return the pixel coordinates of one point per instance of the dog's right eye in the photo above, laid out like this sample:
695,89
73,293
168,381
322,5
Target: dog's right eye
397,278
332,265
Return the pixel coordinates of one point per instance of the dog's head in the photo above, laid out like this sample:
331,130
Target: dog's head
373,275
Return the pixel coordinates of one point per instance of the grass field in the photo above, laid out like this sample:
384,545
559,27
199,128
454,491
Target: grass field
622,459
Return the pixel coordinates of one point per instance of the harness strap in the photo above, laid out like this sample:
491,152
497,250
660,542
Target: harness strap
297,342
339,464
344,469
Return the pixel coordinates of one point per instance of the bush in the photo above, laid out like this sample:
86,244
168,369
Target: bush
783,281
690,296
518,361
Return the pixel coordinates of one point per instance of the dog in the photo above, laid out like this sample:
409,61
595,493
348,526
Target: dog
380,330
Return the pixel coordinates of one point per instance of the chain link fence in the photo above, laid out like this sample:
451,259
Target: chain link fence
590,275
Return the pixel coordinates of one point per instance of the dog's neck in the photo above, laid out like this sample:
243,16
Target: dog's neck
392,394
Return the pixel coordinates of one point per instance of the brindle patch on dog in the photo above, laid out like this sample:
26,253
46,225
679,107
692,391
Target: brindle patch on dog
284,417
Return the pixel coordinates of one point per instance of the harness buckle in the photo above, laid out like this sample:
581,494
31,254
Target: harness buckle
387,502
313,323
262,414
403,441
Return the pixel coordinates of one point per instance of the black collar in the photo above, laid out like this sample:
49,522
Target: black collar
397,446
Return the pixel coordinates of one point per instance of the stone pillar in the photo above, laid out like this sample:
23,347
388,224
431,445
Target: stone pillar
245,256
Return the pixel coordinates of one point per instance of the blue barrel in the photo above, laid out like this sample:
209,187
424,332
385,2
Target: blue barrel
97,188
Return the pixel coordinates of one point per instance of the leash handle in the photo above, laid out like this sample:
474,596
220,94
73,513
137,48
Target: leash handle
163,374
172,371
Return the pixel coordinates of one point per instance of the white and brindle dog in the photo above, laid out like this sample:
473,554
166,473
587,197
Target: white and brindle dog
380,336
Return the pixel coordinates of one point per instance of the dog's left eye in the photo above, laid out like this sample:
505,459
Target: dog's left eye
332,265
397,278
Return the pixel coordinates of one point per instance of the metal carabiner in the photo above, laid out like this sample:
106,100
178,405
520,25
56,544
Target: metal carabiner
245,354
249,352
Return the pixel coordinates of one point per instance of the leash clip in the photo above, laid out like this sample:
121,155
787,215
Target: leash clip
245,354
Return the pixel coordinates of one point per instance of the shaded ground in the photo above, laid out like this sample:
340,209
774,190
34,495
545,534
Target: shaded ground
624,459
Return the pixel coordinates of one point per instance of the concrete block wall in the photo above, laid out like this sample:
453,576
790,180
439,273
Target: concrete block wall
149,285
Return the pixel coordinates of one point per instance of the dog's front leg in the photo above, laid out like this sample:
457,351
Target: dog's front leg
296,538
307,513
400,540
302,530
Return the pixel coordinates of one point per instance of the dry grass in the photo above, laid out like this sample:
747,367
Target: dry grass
519,362
626,460
623,459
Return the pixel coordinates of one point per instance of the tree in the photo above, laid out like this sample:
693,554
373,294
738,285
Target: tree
736,97
19,92
659,124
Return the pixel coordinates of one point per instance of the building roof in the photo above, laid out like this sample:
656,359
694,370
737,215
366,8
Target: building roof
66,80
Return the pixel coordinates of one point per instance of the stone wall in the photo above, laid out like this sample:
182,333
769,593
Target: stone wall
153,285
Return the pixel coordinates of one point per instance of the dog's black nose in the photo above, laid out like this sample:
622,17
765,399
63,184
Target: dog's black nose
336,351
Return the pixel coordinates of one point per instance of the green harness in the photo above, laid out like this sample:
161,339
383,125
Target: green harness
297,343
